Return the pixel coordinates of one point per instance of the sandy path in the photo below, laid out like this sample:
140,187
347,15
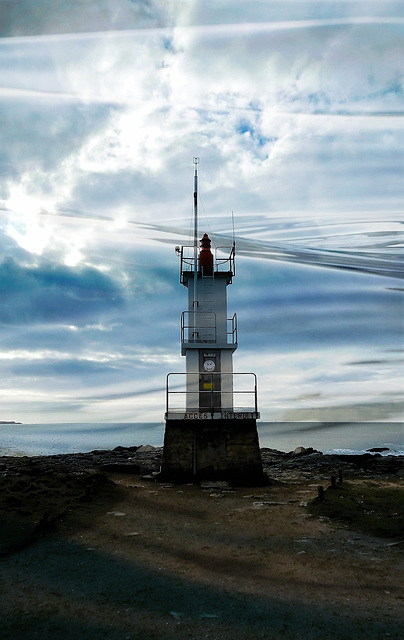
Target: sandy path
152,561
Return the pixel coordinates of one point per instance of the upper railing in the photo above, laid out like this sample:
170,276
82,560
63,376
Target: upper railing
226,263
200,327
221,264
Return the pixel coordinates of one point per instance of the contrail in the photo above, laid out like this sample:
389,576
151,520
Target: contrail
243,28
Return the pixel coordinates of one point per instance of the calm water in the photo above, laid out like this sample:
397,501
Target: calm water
48,439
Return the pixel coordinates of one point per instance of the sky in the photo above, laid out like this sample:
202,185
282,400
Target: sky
294,109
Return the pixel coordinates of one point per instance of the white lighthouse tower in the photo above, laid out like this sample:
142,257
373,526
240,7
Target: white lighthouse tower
211,411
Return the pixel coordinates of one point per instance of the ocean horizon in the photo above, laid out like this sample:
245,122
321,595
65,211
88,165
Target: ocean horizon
328,437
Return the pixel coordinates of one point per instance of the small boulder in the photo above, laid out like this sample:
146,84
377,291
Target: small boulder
302,451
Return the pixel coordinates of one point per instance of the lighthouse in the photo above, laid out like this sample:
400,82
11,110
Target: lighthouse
211,411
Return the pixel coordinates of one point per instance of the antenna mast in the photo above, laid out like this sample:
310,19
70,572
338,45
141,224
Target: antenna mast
196,162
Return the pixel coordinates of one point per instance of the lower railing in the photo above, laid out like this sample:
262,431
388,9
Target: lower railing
211,395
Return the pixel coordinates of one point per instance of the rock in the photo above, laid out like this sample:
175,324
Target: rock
302,451
146,461
377,449
214,484
299,451
176,614
150,477
121,467
272,452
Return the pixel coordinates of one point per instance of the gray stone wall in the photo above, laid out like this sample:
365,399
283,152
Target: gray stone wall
212,450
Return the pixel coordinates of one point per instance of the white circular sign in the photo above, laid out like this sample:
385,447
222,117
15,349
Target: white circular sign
209,365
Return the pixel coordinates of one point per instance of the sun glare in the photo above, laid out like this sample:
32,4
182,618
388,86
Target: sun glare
25,228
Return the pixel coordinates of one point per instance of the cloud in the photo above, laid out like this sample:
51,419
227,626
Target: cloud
218,11
249,117
39,152
23,17
292,108
51,292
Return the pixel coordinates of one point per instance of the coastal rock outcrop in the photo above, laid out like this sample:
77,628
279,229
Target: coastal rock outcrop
146,461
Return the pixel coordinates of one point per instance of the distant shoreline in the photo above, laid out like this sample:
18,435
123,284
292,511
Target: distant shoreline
9,422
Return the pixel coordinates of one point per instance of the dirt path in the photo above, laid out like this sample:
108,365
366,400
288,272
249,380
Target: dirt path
148,561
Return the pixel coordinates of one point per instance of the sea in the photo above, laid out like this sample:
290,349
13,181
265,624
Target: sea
328,437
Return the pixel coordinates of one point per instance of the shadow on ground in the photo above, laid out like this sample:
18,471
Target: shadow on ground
61,589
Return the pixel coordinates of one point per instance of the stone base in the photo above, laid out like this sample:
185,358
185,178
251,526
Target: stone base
197,450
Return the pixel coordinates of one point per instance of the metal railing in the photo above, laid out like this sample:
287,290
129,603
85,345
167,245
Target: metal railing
225,264
214,393
200,327
232,330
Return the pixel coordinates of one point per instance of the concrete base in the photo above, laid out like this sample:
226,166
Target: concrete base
197,450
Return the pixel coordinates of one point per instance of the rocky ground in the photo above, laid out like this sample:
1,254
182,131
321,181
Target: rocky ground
92,546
